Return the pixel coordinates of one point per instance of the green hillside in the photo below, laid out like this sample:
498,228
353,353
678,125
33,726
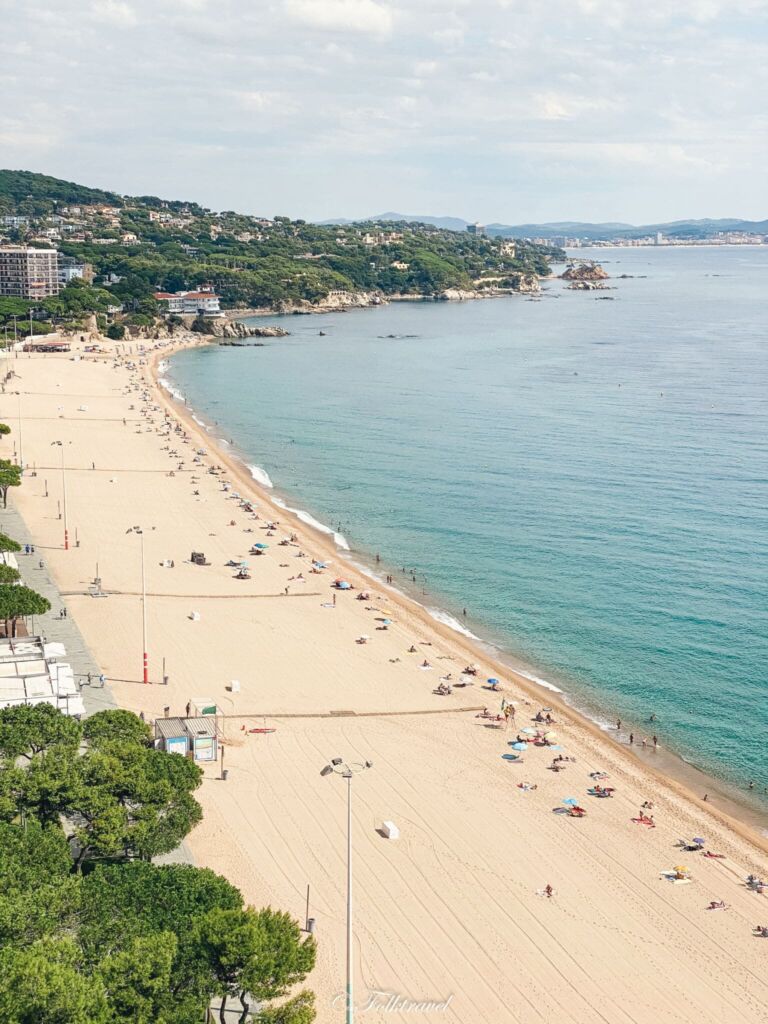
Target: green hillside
27,193
139,245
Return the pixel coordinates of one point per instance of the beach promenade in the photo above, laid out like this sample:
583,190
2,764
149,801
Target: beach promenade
454,912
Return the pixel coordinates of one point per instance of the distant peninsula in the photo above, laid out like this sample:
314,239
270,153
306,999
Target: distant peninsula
723,231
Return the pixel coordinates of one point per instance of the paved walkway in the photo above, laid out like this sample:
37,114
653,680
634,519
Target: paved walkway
95,696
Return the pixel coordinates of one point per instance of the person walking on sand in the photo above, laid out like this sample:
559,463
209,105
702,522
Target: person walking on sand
655,742
549,892
618,724
631,738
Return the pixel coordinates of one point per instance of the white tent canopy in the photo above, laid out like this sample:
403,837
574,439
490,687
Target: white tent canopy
29,675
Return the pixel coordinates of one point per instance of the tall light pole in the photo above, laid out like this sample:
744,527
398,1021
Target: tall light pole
63,493
21,453
138,529
346,771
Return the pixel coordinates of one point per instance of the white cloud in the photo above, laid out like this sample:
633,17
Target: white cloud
313,106
552,106
343,15
115,12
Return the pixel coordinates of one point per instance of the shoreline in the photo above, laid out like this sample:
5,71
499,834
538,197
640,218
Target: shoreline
454,905
245,313
671,769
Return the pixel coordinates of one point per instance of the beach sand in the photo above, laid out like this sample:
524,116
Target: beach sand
451,912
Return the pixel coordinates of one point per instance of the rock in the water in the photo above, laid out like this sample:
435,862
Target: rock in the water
586,286
585,272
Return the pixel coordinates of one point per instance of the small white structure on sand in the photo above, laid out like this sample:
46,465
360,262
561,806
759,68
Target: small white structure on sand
390,830
31,674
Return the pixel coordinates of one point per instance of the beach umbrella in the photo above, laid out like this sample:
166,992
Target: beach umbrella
699,841
262,547
519,746
529,731
387,622
344,585
510,757
550,735
493,681
571,801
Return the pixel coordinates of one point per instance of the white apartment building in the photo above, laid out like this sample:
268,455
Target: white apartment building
27,273
69,270
190,303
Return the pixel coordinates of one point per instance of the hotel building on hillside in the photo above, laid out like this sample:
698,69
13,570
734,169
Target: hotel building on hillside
28,273
204,303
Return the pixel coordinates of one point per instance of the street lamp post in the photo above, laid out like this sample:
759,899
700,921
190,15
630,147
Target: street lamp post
145,660
346,771
21,452
63,493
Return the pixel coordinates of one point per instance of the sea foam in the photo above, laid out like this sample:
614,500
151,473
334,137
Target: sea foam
454,624
305,517
261,476
172,391
539,681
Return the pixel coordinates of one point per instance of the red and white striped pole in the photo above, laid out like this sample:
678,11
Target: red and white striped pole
144,610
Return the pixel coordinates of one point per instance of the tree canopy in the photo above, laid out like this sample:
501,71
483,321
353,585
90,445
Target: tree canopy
116,724
10,476
19,602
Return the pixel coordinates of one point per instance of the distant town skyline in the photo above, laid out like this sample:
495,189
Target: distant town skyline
500,110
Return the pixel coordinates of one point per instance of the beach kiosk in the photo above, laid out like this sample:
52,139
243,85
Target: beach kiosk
191,737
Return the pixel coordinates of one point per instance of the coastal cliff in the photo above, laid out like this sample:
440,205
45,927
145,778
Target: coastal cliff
234,329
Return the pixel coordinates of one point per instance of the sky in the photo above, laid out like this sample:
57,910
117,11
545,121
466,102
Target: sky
511,111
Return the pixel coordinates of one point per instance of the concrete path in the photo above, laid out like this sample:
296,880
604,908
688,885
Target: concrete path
65,631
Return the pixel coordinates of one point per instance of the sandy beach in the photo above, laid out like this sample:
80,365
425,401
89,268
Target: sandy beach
453,912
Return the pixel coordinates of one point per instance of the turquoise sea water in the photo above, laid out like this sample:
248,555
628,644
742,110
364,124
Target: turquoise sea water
588,478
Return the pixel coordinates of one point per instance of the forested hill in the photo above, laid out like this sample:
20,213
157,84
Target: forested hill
139,245
27,193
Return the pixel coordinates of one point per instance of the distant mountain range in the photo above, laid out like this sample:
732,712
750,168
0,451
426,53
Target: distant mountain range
585,231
